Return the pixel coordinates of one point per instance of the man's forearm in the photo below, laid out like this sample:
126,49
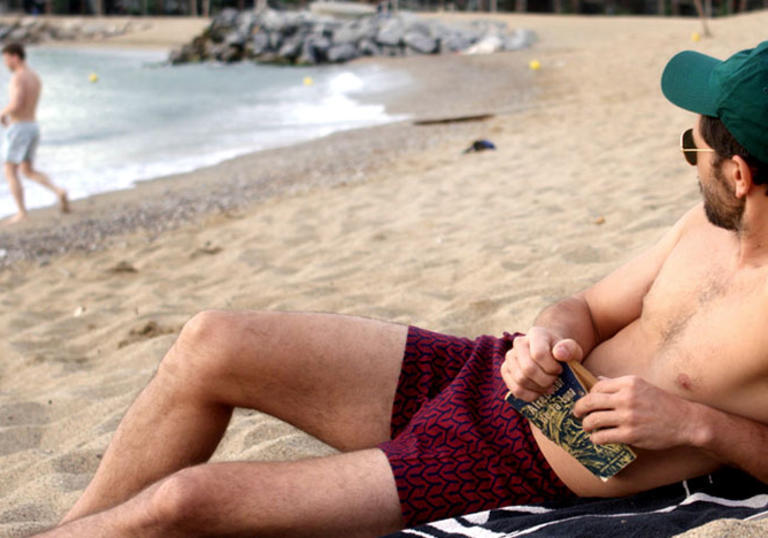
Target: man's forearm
730,439
570,318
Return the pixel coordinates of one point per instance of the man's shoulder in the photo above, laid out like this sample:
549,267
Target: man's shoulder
27,74
695,219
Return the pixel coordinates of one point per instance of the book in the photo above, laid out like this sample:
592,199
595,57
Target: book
553,415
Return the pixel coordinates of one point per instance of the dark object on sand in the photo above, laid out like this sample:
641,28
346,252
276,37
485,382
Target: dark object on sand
480,145
455,119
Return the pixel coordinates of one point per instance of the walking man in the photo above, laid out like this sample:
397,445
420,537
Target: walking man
22,133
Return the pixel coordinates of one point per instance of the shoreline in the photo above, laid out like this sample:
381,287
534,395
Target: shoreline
427,88
238,182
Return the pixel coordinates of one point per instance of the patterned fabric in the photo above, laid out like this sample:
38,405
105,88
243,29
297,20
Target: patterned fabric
457,446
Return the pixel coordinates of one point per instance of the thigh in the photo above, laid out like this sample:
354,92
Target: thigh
332,376
466,449
350,494
31,149
11,170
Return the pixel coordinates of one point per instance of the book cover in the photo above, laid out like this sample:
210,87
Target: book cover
553,415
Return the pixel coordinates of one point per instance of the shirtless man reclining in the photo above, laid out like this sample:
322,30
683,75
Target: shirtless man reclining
679,335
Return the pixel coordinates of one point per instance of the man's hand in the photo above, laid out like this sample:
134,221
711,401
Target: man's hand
533,364
631,410
4,120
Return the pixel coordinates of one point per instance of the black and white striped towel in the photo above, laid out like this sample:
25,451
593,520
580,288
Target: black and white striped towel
664,511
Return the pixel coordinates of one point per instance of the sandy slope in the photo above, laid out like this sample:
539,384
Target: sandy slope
459,243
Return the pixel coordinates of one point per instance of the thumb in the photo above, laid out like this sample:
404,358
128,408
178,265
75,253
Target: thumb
567,350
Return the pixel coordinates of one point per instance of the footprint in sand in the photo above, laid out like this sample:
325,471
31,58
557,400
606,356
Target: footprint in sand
80,462
582,255
28,512
19,438
23,414
150,329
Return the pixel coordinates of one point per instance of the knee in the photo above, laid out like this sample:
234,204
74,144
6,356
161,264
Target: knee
199,346
180,501
207,348
204,327
26,169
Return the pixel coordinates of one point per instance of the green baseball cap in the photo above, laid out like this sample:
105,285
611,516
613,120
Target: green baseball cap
734,90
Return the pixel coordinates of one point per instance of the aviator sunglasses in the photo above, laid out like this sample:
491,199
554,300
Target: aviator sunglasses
688,147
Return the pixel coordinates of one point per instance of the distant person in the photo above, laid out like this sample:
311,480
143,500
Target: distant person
22,133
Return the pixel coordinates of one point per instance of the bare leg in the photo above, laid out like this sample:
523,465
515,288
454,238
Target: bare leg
332,376
14,184
44,180
317,497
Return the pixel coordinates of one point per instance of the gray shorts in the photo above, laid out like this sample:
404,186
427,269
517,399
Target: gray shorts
20,142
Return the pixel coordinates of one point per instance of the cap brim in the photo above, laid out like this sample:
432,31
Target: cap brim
685,82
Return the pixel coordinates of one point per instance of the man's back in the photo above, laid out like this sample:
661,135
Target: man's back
28,85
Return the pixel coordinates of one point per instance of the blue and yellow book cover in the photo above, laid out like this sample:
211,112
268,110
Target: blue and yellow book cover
553,415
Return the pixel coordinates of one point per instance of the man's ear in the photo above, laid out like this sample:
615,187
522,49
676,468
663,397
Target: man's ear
741,174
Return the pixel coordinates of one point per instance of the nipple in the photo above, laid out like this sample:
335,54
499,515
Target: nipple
684,381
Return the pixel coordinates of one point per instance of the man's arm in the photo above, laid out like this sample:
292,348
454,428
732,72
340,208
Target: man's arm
631,410
569,329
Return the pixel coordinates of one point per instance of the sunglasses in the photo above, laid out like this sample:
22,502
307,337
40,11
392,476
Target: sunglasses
688,147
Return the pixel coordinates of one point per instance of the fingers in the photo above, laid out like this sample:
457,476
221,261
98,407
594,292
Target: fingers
613,384
567,350
539,371
517,373
594,401
600,420
612,435
529,369
540,348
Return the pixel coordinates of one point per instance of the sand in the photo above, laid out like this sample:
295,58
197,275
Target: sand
584,176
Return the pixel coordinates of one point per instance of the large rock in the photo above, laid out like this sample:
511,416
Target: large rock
342,53
454,42
18,34
272,21
291,47
367,47
246,22
354,32
420,43
320,46
4,31
275,40
391,33
227,16
235,39
259,44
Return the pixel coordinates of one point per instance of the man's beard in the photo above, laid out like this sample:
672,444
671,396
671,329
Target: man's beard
722,208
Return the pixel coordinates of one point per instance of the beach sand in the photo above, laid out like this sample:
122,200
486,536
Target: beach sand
401,227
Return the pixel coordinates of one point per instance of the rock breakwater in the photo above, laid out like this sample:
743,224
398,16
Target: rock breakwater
306,38
31,30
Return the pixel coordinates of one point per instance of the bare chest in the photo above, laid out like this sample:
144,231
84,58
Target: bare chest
703,322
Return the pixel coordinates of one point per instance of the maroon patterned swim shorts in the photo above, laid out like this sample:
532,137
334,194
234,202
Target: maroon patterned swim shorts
457,447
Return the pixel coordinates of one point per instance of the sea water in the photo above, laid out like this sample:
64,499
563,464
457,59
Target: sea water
110,118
